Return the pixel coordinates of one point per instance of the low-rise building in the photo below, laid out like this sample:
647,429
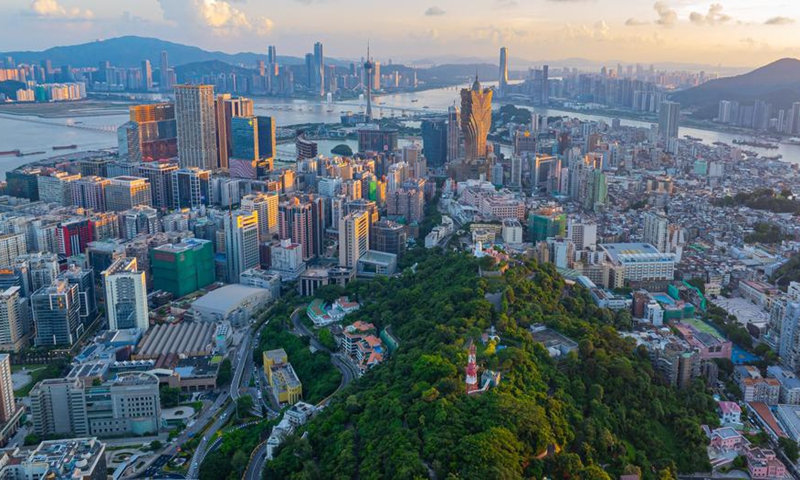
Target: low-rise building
71,459
286,386
730,413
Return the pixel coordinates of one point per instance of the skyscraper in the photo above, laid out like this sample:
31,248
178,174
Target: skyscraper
12,330
244,132
7,404
196,126
656,230
90,193
124,192
147,75
56,314
668,119
319,69
272,55
453,134
84,279
295,222
353,238
434,142
267,140
151,133
241,243
126,296
163,74
160,177
476,120
503,85
226,108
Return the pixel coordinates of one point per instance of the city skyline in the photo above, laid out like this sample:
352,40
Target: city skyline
731,33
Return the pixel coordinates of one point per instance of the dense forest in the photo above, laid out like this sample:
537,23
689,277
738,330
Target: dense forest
595,414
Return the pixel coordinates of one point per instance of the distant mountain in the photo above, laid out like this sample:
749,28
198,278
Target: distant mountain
130,51
777,83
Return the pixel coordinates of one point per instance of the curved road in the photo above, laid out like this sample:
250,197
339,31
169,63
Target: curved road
349,373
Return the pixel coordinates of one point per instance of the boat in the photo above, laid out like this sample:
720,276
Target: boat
694,139
415,100
25,154
755,143
9,152
65,147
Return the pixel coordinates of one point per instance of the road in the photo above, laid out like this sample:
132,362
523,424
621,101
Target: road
349,373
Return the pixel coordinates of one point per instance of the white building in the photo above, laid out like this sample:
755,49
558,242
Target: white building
512,231
287,260
126,296
241,242
640,261
353,238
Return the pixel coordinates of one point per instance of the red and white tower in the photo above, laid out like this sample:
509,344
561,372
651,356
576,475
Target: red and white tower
471,379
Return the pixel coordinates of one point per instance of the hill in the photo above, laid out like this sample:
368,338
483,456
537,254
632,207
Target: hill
129,51
600,411
777,83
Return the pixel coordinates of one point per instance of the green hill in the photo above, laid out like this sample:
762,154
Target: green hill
598,413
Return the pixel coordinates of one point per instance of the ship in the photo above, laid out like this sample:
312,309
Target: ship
9,152
65,147
25,154
755,143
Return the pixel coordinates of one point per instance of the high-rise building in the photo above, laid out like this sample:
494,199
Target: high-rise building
272,55
668,119
241,242
266,204
305,148
36,270
377,140
546,224
503,85
196,126
8,405
12,328
147,75
453,134
296,222
267,137
151,133
390,237
84,279
56,187
56,314
73,235
12,245
163,75
90,193
125,192
353,238
656,230
434,142
226,108
319,69
190,188
244,132
183,268
582,234
126,296
160,177
408,203
139,220
476,120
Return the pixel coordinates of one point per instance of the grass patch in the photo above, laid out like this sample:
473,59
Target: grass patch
37,373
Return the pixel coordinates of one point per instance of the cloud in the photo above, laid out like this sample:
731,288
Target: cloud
632,22
667,17
506,3
779,21
219,16
713,17
434,12
53,9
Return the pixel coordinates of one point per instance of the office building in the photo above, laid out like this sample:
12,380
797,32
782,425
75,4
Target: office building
56,314
87,301
12,245
190,188
318,70
434,142
164,83
380,140
241,242
90,193
503,84
390,237
196,126
183,268
125,192
23,183
159,176
453,134
353,238
656,230
12,321
226,108
668,119
266,204
244,134
640,261
476,120
126,296
267,137
139,220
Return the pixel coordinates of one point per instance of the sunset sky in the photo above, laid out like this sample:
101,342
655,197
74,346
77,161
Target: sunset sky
729,32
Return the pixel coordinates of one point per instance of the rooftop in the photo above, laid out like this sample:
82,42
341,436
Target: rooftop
227,298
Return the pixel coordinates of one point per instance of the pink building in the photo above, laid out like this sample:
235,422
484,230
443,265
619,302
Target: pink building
709,345
730,412
762,463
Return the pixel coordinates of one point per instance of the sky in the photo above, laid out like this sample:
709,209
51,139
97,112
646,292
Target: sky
726,32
